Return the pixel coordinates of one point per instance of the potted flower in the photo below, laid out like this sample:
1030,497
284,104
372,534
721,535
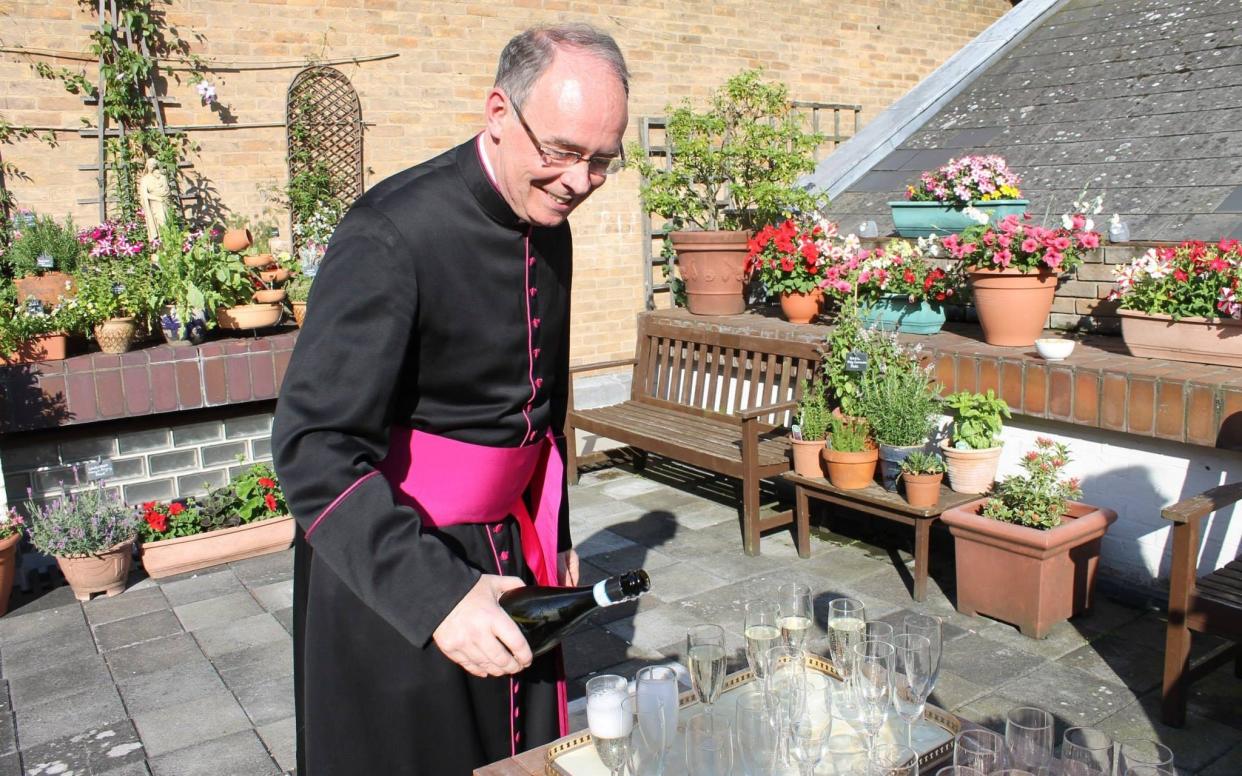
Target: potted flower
807,439
1182,303
730,169
791,261
236,286
921,474
117,284
246,518
1028,555
973,448
30,331
905,287
1013,269
937,203
11,524
189,264
851,455
91,534
42,259
299,292
850,351
900,401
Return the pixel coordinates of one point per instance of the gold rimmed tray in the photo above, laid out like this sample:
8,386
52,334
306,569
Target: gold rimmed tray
574,755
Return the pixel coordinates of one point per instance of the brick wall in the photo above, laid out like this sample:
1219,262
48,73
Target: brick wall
430,97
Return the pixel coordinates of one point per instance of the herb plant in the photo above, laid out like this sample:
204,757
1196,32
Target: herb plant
44,240
813,412
83,523
1036,499
900,401
922,462
978,419
850,435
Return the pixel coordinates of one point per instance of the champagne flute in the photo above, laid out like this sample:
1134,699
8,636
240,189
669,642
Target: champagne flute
806,744
706,659
1028,737
794,604
893,760
931,627
1141,769
656,696
756,732
872,681
846,627
911,679
979,749
762,631
959,770
610,718
1141,751
786,690
1086,752
878,630
709,745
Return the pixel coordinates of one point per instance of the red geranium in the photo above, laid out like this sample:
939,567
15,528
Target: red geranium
797,256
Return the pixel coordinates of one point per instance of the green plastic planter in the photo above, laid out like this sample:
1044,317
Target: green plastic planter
923,219
896,312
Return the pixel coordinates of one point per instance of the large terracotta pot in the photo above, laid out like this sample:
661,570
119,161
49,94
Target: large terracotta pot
851,471
116,335
1013,306
922,490
807,457
8,569
45,347
189,553
47,288
713,268
1025,576
248,316
236,240
970,471
798,307
102,573
1201,340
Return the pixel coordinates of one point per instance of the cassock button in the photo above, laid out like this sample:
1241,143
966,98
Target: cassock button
532,436
517,713
538,382
530,261
534,322
504,554
535,352
534,291
496,528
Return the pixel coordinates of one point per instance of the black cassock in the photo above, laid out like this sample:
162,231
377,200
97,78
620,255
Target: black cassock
437,309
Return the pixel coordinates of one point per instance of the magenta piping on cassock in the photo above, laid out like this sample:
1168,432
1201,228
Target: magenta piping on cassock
344,494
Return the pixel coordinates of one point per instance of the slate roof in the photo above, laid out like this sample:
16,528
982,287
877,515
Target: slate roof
1140,99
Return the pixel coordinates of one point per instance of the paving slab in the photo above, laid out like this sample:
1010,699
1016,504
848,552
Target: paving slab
131,603
280,738
66,640
654,629
8,733
266,701
255,664
1196,745
988,662
59,680
1071,694
588,649
70,715
275,595
239,753
247,632
592,543
158,624
99,750
11,765
170,687
1116,660
217,611
187,724
179,650
199,585
17,627
285,618
265,569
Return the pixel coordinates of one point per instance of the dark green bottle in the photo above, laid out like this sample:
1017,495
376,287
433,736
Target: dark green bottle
544,613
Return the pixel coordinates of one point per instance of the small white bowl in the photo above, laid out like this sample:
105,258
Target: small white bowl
1054,349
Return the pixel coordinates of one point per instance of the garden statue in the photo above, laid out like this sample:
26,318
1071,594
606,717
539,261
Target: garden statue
155,197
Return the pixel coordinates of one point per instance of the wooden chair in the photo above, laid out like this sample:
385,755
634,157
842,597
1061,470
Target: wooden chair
1208,604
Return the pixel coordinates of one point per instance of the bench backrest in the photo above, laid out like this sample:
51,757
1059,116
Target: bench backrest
700,367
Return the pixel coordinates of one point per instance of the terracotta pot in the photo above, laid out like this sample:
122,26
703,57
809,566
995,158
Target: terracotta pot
102,573
248,316
278,275
116,335
269,295
891,457
45,347
713,268
798,307
851,471
236,240
807,457
1013,306
48,287
1026,576
258,260
1201,340
189,553
970,471
299,312
922,490
8,569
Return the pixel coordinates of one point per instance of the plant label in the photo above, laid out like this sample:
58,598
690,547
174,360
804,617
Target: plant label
98,470
118,289
34,306
856,361
45,261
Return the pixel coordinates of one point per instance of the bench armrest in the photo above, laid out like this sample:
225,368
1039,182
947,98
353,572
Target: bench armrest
602,365
766,409
1197,507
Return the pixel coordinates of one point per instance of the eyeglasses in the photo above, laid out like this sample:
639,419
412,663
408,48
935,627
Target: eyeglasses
556,157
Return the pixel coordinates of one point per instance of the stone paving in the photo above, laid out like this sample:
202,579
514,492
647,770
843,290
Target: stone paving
192,675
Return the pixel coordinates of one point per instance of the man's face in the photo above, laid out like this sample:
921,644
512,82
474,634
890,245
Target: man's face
577,104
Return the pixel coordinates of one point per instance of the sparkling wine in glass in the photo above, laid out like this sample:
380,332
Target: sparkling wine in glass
610,718
762,631
706,660
846,627
794,605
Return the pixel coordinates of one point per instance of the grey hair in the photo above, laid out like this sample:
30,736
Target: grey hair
529,54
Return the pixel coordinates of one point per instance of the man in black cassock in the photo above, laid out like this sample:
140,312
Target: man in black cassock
438,334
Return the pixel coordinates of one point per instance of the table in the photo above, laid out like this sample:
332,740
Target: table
877,501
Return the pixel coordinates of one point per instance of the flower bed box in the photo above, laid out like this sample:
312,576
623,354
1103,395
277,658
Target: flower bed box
1200,340
898,313
924,219
45,347
167,557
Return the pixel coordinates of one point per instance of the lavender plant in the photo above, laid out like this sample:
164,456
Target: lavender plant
83,523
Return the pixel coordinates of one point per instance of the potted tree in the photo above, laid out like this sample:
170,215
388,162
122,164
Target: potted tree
921,474
946,200
1029,554
42,260
900,401
807,439
91,534
11,525
973,448
851,455
731,169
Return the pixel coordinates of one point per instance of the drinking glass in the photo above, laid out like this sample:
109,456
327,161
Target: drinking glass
756,733
979,749
709,745
794,605
806,744
656,695
892,760
706,660
610,718
1141,751
1086,752
1148,770
786,688
911,679
762,631
846,627
818,705
1011,772
872,680
929,626
1028,737
959,770
878,630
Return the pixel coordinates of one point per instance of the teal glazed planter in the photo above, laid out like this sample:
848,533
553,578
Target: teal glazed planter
923,219
896,312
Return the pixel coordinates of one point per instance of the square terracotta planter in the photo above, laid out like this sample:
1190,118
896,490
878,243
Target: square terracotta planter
1027,577
190,553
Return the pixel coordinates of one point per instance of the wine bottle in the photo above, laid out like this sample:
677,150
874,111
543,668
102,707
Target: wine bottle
544,613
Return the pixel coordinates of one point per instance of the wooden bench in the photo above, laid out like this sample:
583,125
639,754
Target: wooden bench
1208,604
715,400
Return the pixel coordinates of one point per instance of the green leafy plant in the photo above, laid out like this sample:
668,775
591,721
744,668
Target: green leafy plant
813,412
169,521
44,238
21,324
298,289
734,165
922,462
851,435
978,419
850,335
900,400
83,523
257,494
191,267
1192,279
117,286
254,495
1036,499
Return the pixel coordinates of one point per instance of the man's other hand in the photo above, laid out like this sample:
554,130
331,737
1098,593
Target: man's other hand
479,636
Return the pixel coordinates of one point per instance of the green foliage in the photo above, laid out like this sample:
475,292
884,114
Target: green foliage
978,419
254,495
20,324
849,334
194,273
922,462
850,434
298,289
313,193
82,523
257,494
733,165
813,412
118,286
1036,499
900,400
44,237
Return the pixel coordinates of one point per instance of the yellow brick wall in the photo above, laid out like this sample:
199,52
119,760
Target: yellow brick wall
430,97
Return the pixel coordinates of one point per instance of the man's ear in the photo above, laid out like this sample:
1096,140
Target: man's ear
495,110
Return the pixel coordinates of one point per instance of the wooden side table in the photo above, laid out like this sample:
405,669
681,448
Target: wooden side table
877,501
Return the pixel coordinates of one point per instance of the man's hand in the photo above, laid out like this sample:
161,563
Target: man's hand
567,568
478,636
